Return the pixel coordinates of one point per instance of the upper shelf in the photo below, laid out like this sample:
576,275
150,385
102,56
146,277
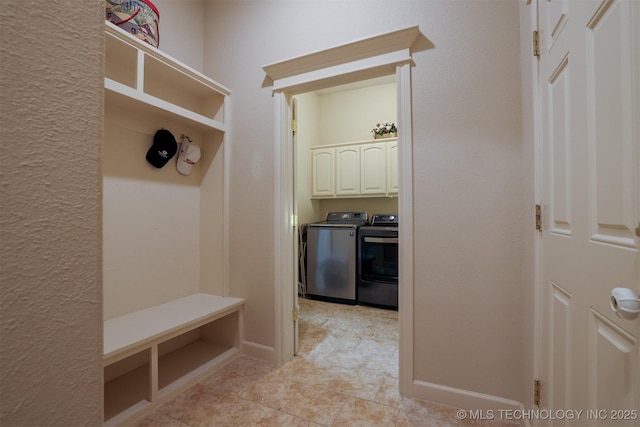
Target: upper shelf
142,77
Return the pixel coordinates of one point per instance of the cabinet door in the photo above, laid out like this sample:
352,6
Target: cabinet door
348,171
373,180
392,167
323,172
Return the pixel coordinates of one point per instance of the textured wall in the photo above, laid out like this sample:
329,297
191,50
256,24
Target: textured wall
50,217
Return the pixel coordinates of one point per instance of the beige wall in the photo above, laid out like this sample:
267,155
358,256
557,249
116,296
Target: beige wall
370,205
308,135
51,79
528,17
350,115
182,30
468,177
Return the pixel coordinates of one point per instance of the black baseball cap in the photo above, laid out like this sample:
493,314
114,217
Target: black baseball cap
163,149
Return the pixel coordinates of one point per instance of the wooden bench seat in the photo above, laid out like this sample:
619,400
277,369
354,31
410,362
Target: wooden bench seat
152,354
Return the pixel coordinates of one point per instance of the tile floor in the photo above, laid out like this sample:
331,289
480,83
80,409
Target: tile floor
346,374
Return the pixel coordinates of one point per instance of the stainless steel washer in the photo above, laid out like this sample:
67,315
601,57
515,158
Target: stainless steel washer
331,257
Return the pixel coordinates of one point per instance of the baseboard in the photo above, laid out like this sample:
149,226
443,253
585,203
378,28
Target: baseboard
484,405
258,350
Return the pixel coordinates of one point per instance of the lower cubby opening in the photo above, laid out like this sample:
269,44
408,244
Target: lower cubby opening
193,353
127,385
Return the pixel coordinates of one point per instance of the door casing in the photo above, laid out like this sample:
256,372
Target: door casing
292,77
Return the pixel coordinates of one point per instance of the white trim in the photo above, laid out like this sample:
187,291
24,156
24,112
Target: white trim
371,67
258,350
405,232
226,178
283,230
538,323
465,399
349,52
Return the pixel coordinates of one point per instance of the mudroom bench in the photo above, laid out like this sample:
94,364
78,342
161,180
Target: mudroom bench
153,354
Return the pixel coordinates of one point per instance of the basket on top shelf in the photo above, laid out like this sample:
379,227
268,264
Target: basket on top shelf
385,130
138,17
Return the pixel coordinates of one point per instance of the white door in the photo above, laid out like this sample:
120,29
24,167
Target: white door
590,187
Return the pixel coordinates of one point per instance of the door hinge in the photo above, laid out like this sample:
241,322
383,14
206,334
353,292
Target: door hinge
294,315
294,125
536,392
536,43
538,217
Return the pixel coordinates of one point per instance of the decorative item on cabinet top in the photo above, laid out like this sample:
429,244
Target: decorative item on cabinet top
138,17
385,130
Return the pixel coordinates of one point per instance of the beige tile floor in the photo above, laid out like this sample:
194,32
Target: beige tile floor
346,374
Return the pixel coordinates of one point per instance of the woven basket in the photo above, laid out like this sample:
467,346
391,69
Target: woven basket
385,135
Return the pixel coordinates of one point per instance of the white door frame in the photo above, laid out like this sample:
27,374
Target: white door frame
367,58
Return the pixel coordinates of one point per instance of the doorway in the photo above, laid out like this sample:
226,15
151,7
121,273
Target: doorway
339,121
377,56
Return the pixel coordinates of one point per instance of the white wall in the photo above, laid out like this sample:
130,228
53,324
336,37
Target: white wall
151,222
182,30
468,179
51,84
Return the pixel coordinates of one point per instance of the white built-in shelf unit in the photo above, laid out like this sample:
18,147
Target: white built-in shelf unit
145,80
154,352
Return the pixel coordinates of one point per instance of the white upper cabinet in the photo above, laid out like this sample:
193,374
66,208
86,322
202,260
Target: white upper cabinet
359,169
392,167
323,172
348,171
373,165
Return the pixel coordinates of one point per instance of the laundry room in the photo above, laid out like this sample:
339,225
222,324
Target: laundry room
346,172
